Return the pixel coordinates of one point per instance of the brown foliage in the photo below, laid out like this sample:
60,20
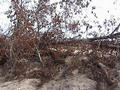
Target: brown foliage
29,53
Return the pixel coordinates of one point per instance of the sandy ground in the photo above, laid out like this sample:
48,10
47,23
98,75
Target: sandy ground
79,82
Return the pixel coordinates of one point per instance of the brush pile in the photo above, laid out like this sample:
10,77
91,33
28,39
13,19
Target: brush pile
52,60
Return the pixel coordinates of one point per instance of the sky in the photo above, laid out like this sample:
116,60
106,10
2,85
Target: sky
105,9
4,21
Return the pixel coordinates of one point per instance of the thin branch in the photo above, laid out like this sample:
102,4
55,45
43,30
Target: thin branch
116,29
38,52
12,55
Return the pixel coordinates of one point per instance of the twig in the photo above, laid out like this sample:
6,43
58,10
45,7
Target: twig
12,55
38,52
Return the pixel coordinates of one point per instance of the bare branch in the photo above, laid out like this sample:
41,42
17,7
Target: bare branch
116,29
38,52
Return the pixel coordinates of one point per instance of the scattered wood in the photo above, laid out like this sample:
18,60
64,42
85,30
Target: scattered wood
106,74
56,57
108,83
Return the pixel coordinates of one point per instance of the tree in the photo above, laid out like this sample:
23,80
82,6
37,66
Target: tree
44,24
